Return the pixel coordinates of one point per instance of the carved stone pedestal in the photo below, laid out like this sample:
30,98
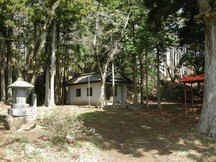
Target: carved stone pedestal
20,115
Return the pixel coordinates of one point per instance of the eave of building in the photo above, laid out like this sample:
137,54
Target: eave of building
107,82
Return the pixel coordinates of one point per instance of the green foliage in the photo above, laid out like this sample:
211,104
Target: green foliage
176,18
112,19
75,19
174,25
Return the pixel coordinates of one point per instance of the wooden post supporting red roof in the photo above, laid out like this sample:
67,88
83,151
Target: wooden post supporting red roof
185,96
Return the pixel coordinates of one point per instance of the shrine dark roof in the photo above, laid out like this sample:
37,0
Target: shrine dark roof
95,77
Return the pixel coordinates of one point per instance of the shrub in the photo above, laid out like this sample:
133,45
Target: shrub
64,128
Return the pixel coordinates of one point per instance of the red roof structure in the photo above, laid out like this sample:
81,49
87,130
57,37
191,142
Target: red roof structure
192,79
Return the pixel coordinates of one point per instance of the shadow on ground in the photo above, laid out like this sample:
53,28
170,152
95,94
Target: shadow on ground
163,132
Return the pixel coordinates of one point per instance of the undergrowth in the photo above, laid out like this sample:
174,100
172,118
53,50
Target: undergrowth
64,128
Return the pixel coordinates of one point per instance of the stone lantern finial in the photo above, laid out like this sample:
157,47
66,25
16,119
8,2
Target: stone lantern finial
20,78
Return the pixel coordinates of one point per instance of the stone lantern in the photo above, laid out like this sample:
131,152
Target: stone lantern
20,112
20,107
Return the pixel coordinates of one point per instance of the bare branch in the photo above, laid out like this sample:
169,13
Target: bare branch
126,23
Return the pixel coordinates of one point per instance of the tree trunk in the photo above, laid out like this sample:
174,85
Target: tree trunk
134,68
141,79
52,68
158,80
146,79
207,123
59,73
135,99
64,90
3,97
9,90
47,90
113,83
58,80
102,92
8,66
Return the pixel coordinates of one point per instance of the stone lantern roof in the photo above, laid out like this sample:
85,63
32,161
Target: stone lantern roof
20,84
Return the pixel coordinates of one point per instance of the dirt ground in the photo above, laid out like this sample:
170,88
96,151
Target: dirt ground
125,135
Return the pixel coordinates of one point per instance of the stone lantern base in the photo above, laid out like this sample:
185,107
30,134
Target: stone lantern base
21,116
23,123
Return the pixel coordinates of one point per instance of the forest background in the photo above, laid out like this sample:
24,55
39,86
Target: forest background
48,41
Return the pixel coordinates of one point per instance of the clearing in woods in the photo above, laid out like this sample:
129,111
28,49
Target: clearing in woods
117,135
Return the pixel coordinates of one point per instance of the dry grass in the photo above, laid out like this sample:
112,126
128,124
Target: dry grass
156,135
111,135
64,127
57,137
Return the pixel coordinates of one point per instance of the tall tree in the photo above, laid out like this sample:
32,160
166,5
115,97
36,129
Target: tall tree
138,41
113,26
207,123
2,69
40,41
9,15
53,67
